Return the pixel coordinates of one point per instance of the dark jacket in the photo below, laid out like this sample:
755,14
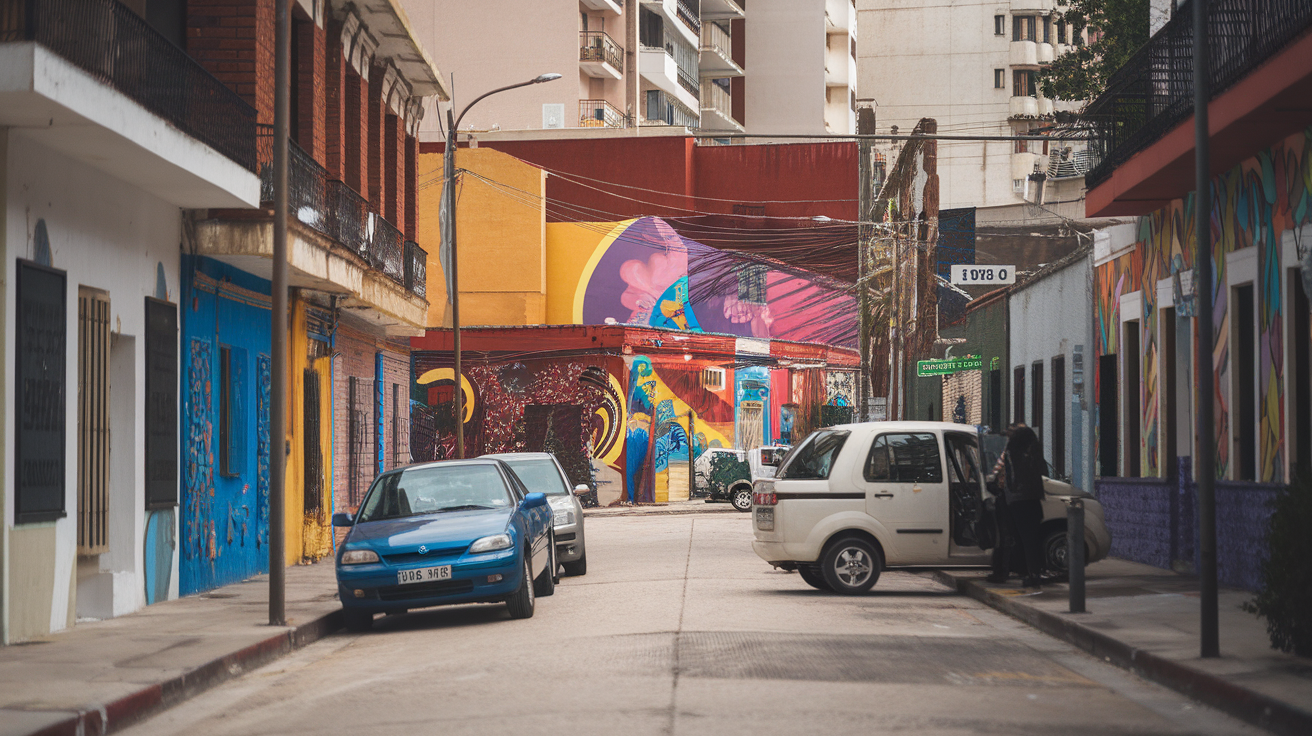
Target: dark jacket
1024,460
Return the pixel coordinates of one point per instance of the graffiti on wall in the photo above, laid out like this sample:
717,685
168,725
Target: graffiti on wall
649,275
1256,205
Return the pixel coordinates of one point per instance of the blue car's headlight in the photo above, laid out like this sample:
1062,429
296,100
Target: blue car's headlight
491,544
358,556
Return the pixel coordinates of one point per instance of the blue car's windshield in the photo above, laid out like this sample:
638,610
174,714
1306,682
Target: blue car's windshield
429,490
539,475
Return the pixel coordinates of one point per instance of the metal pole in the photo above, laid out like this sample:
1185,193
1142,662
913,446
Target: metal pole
278,328
865,190
692,434
1075,553
450,193
1209,644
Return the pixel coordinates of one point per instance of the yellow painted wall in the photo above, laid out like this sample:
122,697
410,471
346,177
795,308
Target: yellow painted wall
572,252
501,238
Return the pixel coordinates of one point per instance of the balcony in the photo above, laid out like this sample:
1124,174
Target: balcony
689,13
1024,54
600,56
1044,53
93,80
1263,44
717,109
1023,107
660,108
680,18
721,10
671,68
604,6
600,114
716,61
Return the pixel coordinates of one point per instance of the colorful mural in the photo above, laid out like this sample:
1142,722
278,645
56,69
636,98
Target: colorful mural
644,273
1257,204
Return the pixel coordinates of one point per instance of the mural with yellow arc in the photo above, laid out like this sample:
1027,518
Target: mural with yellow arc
449,374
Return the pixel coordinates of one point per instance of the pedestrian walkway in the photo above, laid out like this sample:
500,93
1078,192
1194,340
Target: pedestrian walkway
1146,619
695,506
102,675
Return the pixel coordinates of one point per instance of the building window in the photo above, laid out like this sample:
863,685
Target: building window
1047,29
1022,28
713,379
999,25
1022,83
93,422
1036,399
232,413
1059,414
751,284
312,488
1132,387
999,79
1061,31
1018,394
1244,393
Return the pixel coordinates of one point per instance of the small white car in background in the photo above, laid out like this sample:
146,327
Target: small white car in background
725,474
852,500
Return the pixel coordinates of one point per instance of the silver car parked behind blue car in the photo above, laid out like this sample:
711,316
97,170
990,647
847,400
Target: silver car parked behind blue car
453,531
541,471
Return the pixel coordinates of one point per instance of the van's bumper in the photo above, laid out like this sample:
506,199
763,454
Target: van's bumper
776,552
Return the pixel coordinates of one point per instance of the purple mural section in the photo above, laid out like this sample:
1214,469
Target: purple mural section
652,276
1154,521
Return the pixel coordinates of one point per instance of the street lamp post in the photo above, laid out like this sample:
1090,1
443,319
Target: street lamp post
449,206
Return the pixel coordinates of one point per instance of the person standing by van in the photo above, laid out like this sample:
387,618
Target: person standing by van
1024,494
1006,544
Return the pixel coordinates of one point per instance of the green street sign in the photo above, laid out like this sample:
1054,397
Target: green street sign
927,368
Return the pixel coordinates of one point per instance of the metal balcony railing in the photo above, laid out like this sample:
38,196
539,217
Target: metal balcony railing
662,109
715,38
600,114
598,46
337,211
689,12
116,46
416,269
717,98
1065,163
1153,91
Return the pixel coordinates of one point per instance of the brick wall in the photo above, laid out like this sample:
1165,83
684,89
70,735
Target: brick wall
393,167
311,87
356,125
411,187
357,351
233,40
335,100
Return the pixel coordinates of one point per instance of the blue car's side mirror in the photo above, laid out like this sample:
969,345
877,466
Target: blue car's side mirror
343,519
533,500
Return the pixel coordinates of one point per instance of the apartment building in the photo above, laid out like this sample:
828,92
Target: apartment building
971,66
801,67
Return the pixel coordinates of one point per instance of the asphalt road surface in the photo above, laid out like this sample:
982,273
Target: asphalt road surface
679,628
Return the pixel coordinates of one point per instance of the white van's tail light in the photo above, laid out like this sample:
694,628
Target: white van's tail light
765,499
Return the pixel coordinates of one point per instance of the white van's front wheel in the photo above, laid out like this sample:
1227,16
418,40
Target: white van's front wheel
851,565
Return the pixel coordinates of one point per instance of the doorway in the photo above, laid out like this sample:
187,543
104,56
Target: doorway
1244,388
1108,421
1300,388
1133,399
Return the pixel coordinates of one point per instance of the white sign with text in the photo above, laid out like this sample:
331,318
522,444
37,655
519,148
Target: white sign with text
968,275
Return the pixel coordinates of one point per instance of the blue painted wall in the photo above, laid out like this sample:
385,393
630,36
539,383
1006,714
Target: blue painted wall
753,384
224,525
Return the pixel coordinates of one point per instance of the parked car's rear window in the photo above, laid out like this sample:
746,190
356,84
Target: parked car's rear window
904,458
814,458
432,489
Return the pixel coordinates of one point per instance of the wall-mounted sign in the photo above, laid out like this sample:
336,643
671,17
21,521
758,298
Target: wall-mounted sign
928,368
972,275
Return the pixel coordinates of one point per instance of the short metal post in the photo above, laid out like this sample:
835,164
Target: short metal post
1075,553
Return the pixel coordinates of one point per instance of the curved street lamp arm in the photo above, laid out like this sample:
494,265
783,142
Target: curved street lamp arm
489,94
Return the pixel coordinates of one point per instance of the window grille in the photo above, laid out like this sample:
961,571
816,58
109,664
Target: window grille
713,378
751,284
313,444
93,422
360,449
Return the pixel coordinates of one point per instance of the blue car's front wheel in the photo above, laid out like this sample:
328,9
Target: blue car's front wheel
520,603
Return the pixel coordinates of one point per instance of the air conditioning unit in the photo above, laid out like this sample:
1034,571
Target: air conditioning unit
713,378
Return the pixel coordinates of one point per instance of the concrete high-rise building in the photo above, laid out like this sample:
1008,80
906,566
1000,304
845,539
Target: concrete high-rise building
628,63
972,65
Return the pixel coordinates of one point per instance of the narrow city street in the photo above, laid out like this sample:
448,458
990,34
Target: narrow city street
678,628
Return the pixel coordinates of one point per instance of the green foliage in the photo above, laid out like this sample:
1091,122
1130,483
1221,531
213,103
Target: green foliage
1285,599
1118,27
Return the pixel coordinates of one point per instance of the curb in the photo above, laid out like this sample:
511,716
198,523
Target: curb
658,511
1247,705
108,717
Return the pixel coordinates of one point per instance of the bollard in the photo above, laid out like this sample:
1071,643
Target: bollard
1075,553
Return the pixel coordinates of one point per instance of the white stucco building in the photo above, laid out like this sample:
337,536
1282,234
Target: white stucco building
971,65
105,138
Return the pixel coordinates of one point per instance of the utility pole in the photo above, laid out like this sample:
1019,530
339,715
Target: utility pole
278,334
1206,467
865,123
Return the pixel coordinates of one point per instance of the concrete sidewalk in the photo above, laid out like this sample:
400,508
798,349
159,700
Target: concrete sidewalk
695,506
1146,620
103,675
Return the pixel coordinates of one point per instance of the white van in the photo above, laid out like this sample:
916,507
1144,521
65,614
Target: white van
851,500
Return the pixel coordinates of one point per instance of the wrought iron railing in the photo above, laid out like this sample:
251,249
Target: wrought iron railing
689,12
334,209
600,114
119,48
598,46
663,109
1153,91
416,268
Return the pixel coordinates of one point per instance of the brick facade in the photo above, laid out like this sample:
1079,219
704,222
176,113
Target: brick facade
376,113
233,40
311,88
334,100
411,187
357,351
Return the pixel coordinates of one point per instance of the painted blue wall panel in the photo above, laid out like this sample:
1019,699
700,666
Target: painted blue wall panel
224,525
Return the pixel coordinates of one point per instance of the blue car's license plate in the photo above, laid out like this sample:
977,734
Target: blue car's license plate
423,574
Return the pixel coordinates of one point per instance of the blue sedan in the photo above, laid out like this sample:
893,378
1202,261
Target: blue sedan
433,534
